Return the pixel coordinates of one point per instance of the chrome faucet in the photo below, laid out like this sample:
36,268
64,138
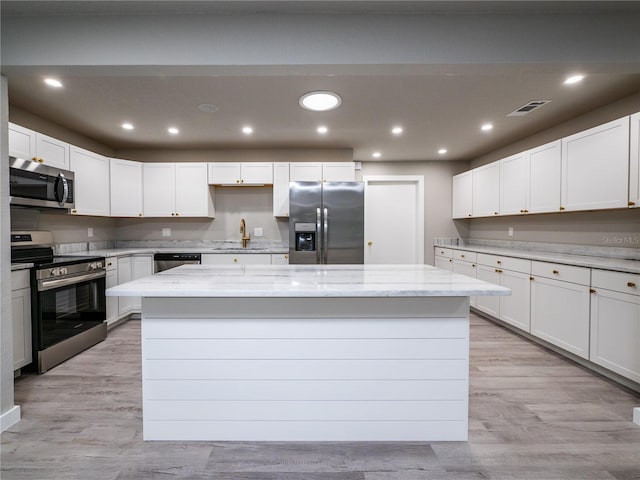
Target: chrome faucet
243,232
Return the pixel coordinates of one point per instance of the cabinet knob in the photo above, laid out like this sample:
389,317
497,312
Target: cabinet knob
531,278
139,214
591,290
473,265
470,215
521,211
237,181
631,204
499,262
35,159
109,264
74,211
177,214
286,256
235,260
498,270
173,214
242,181
369,243
631,285
462,255
526,211
555,272
561,208
450,260
495,213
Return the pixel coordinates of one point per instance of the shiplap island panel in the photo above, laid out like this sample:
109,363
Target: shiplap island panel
305,352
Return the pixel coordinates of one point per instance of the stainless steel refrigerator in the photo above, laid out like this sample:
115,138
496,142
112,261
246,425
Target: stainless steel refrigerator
326,222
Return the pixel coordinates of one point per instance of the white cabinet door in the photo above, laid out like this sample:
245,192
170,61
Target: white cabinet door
91,184
486,190
141,266
490,305
279,259
125,304
615,332
21,318
634,165
544,165
595,167
462,190
305,172
112,302
560,314
126,188
515,308
338,172
514,182
470,270
224,173
52,152
236,259
256,173
281,189
159,193
444,263
22,142
193,196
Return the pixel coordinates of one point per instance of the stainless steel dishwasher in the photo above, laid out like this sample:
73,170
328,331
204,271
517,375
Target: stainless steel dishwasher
165,261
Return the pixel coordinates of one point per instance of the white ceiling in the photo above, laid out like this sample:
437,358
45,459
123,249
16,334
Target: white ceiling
437,107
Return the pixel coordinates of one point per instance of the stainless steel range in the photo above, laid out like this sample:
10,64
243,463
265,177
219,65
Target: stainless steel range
67,299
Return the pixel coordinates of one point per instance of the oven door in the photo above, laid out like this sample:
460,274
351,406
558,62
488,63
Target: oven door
68,306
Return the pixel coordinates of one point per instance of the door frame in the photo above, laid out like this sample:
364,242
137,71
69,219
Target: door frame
417,180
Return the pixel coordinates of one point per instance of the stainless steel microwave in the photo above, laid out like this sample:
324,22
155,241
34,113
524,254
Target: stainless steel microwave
33,184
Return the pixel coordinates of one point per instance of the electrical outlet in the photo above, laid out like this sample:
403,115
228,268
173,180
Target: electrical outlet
89,232
257,232
510,231
166,232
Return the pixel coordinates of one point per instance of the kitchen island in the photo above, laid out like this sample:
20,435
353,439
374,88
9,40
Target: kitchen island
305,352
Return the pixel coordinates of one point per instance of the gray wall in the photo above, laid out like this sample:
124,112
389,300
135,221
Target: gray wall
437,196
620,228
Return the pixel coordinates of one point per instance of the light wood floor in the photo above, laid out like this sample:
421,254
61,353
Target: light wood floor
534,416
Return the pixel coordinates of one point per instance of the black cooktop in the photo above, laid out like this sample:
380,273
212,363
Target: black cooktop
66,260
42,257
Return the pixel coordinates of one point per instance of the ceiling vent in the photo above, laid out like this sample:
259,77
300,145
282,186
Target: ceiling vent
529,107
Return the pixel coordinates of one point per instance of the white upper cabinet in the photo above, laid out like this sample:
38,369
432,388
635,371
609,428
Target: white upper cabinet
595,167
176,190
91,182
338,172
236,173
462,195
634,165
126,188
305,172
193,195
544,165
486,190
280,189
513,184
27,144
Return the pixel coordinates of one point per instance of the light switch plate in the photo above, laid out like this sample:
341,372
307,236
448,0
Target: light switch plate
90,232
257,232
166,232
510,231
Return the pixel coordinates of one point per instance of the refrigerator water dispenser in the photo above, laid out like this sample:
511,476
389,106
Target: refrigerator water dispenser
305,234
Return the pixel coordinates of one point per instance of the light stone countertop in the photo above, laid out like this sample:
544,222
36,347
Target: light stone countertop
604,263
306,281
118,252
20,266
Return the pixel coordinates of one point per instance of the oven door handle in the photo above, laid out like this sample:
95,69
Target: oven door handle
44,285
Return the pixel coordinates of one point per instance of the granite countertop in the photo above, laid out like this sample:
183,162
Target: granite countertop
117,252
604,263
306,281
20,266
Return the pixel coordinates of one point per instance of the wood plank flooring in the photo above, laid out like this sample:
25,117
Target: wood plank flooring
533,416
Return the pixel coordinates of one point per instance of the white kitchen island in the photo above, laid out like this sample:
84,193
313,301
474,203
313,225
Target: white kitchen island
305,352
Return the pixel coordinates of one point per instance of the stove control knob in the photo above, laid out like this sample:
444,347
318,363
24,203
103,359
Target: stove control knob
92,266
54,272
63,271
98,265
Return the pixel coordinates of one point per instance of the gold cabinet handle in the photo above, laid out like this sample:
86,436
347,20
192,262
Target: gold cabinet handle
462,255
74,211
473,265
631,285
286,256
235,260
369,243
498,270
470,215
109,264
173,214
237,181
631,204
139,214
531,278
591,290
242,181
561,208
526,211
495,213
450,260
177,214
499,262
555,272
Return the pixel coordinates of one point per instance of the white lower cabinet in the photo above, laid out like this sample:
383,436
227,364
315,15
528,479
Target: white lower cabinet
489,305
470,270
279,259
236,259
125,304
21,318
515,309
141,266
560,314
111,281
615,323
443,258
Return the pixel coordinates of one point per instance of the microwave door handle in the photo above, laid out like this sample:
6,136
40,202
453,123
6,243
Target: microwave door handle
325,241
318,239
65,189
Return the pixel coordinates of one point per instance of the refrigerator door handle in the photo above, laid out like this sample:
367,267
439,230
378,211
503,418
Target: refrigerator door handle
325,240
318,232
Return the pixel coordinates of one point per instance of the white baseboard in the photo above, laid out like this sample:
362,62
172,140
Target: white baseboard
636,415
11,417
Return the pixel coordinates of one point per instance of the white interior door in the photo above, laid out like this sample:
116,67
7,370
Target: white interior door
394,219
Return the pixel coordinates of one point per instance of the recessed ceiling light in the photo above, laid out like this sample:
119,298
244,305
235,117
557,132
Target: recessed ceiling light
322,130
442,151
173,130
247,130
376,154
207,108
320,101
574,79
127,126
397,130
52,82
486,127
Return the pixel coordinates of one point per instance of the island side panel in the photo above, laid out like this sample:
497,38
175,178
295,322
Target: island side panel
312,369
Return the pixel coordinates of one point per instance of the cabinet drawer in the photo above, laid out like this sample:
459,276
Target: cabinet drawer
616,281
20,279
465,256
111,263
565,273
444,252
506,263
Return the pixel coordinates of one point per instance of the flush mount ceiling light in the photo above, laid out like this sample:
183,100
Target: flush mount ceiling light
573,79
207,107
127,126
442,151
52,82
247,130
322,130
376,154
173,130
486,127
397,130
320,101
